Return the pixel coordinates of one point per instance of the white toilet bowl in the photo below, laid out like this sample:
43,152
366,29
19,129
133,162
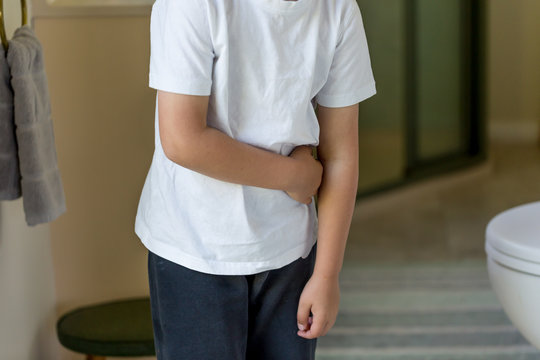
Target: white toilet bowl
513,258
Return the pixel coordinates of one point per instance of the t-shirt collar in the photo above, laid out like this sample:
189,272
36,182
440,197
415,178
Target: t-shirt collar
282,6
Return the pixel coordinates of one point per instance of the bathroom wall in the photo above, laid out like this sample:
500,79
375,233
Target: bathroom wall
514,74
27,291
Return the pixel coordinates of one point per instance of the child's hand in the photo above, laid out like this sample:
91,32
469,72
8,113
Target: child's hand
321,297
310,175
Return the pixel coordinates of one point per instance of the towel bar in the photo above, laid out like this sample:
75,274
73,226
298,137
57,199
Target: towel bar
24,21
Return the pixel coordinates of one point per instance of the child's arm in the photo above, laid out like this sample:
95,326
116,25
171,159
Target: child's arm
187,141
338,152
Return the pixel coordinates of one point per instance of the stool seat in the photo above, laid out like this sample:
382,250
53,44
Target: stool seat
117,328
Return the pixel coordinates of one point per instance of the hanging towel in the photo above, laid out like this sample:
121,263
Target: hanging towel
10,177
43,195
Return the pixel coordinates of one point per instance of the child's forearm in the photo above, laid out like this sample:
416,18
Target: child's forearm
336,202
188,141
215,154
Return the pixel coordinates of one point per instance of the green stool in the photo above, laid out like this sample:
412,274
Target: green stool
117,328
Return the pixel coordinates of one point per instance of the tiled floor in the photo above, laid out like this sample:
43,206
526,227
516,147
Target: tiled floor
445,218
444,310
414,283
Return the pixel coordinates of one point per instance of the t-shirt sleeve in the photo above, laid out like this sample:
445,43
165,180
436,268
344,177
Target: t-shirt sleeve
181,51
350,79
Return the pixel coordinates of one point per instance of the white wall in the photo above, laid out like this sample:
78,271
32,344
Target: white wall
27,296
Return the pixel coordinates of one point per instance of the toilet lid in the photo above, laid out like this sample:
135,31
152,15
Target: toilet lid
513,262
514,237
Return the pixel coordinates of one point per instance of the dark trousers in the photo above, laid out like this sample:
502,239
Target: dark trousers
199,316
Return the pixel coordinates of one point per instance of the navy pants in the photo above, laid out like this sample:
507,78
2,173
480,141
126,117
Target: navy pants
199,316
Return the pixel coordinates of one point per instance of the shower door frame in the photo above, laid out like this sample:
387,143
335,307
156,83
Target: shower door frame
473,112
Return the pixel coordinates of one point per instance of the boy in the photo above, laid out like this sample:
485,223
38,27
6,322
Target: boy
245,89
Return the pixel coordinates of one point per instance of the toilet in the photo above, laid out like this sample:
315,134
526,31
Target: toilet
513,261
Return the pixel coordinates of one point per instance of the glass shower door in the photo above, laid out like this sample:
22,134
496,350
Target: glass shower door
439,78
382,117
426,117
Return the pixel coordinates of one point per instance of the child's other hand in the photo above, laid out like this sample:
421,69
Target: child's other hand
320,297
309,175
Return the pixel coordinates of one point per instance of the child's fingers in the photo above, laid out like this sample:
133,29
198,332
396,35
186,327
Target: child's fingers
318,328
302,315
300,199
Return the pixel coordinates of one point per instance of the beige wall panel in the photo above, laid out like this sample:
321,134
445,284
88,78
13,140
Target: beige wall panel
103,112
531,60
514,73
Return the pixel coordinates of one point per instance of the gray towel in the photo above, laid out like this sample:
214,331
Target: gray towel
43,195
10,177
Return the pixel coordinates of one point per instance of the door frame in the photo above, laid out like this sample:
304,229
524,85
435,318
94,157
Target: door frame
473,121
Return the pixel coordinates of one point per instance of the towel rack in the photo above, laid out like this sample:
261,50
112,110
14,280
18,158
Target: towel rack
24,21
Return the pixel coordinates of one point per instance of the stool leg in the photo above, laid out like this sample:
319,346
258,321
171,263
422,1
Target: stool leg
94,357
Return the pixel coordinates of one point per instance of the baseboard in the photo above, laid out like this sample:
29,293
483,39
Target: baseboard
517,130
427,187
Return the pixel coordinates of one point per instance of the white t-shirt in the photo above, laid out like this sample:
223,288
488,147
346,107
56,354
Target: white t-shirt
264,63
